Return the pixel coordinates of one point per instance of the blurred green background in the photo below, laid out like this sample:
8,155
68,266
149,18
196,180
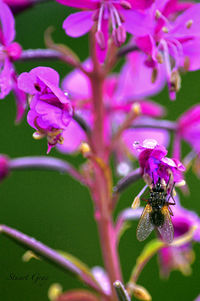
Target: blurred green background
57,210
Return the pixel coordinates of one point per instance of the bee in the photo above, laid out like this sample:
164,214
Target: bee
157,214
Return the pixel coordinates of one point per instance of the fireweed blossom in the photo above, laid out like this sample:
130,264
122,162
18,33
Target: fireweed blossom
154,163
50,109
172,43
188,128
101,12
9,52
180,257
118,101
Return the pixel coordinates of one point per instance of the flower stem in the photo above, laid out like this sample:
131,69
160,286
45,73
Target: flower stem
100,191
49,254
45,163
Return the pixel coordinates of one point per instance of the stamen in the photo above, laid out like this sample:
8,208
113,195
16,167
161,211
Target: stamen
125,4
159,57
101,10
189,24
154,75
175,81
119,34
186,63
99,36
165,29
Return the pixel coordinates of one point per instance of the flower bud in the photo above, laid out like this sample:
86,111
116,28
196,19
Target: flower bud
4,166
55,290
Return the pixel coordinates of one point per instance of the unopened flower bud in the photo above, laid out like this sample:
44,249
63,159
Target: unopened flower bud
28,255
85,148
55,290
4,166
14,50
139,292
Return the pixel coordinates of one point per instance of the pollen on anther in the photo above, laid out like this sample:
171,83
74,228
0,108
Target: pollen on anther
189,24
165,29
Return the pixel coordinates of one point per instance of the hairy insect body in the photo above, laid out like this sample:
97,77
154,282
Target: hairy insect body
156,215
157,201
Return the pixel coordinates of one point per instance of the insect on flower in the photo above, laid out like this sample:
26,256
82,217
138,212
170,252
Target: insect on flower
157,214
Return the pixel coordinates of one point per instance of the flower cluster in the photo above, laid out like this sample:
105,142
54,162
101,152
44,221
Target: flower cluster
107,113
50,110
154,163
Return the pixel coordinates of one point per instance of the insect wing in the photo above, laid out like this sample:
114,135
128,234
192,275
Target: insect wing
167,229
145,226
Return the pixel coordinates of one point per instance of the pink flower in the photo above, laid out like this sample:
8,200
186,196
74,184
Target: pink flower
9,51
18,5
189,127
50,110
172,43
180,257
154,163
4,166
118,100
102,12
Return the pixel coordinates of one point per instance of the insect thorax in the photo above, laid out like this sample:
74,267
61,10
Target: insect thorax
157,218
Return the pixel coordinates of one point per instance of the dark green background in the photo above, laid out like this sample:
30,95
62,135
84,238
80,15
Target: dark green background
57,210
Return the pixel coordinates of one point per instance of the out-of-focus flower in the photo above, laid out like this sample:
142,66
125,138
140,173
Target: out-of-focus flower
180,257
4,166
198,298
172,43
102,13
50,109
189,127
154,163
9,52
18,5
118,101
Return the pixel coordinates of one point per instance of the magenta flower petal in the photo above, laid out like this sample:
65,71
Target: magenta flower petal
7,24
27,80
135,80
50,109
21,102
154,163
141,4
191,51
80,3
189,127
131,135
73,137
6,79
137,23
78,24
180,28
78,79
